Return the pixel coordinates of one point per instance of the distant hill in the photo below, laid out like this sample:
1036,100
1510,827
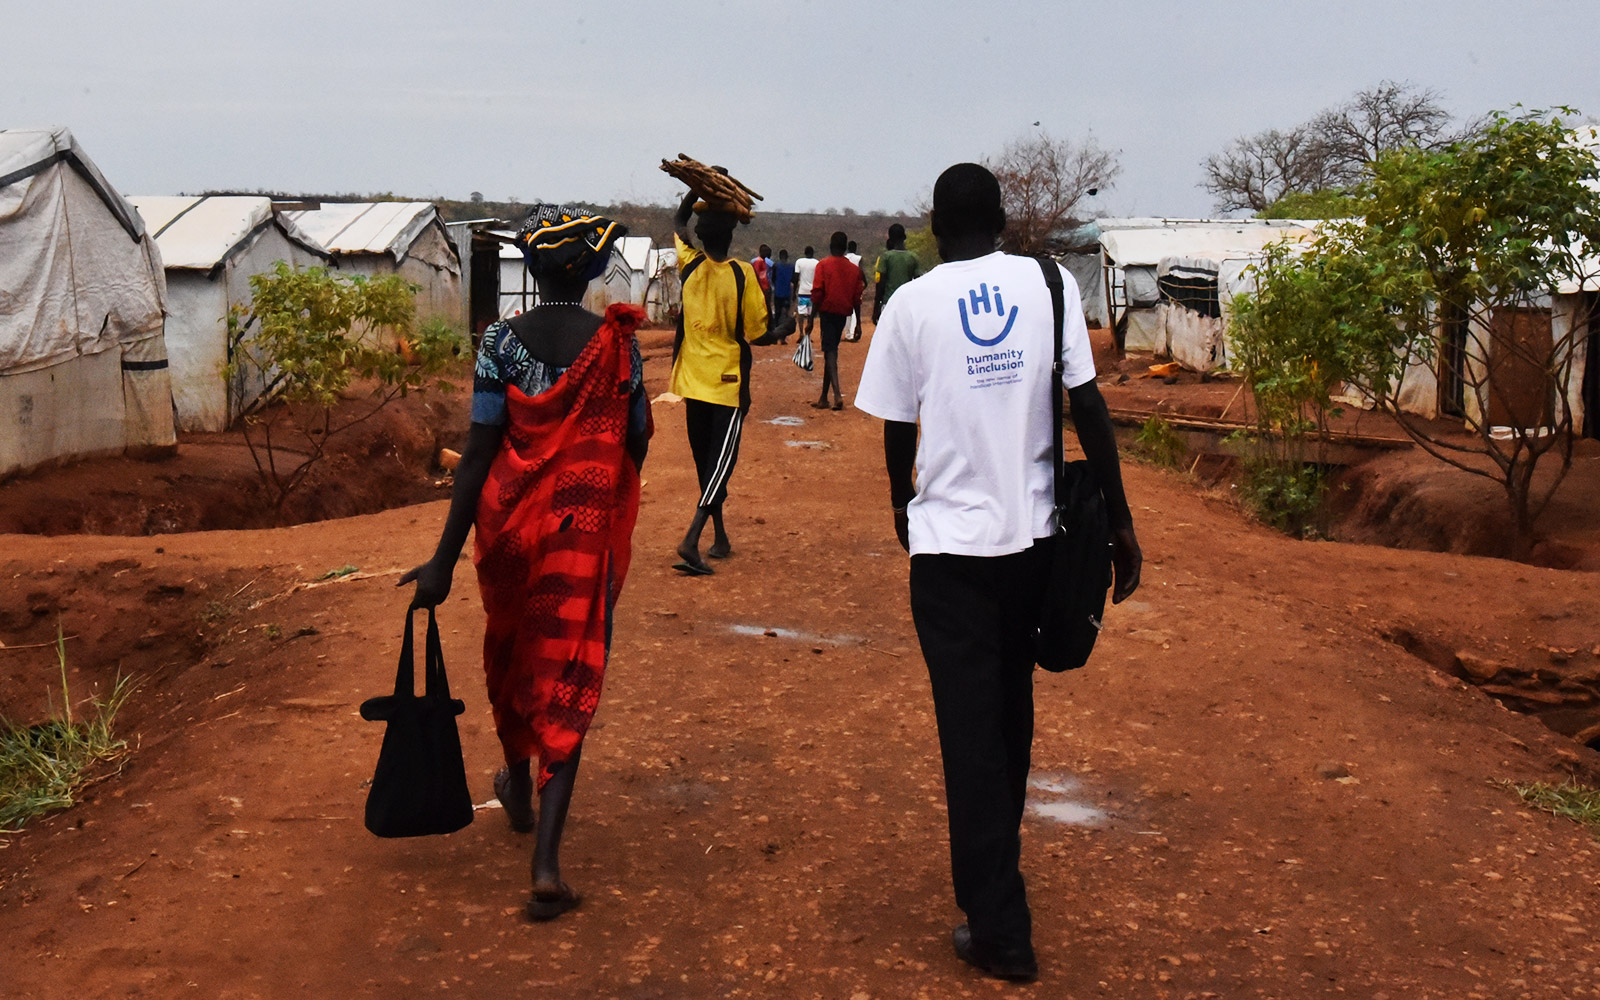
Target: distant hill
780,230
793,231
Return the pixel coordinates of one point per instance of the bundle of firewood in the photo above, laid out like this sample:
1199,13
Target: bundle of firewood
717,191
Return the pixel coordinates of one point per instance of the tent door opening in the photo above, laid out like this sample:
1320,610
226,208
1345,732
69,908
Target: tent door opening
483,295
1591,367
1521,390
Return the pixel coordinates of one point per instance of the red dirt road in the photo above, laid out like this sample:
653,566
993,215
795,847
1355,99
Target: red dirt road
763,816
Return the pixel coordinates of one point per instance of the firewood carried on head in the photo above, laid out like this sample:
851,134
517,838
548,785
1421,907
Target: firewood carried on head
718,191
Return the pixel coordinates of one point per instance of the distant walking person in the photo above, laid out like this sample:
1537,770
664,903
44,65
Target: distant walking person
836,294
896,266
972,522
557,397
761,263
852,326
722,301
805,270
782,292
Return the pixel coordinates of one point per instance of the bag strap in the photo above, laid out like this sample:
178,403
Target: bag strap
683,283
438,686
738,336
405,678
1052,278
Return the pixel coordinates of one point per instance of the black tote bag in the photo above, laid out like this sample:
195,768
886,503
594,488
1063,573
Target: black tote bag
420,785
1080,550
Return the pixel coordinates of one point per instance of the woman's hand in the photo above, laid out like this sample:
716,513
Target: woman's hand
433,583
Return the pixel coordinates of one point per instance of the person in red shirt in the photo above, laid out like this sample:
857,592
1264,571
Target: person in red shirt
836,294
761,263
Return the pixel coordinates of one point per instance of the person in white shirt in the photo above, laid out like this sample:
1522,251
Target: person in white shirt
965,351
805,270
852,326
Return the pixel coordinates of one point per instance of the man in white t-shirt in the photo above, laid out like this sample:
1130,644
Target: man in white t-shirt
805,271
852,326
965,350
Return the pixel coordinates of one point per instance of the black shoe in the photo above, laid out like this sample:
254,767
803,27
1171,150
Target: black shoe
1016,965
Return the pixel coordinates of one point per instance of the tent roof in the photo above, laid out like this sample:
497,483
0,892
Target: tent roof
1147,247
636,251
25,152
366,227
200,233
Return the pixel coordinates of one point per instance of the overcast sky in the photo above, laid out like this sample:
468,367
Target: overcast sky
814,104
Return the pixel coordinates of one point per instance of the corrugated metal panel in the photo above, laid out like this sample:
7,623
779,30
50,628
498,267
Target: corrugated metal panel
366,227
198,233
1147,247
635,251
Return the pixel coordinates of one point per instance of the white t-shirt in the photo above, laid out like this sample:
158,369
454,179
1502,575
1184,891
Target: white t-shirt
805,270
964,350
853,258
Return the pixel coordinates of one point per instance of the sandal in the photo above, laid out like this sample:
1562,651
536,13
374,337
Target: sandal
518,811
548,904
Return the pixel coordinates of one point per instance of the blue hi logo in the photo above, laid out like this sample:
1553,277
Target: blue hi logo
980,301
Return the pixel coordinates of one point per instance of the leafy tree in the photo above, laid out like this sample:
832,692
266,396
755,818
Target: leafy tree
1328,203
1456,256
921,242
306,339
1042,180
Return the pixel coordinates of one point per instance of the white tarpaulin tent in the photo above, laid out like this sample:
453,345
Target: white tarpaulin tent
83,364
211,246
392,237
1139,259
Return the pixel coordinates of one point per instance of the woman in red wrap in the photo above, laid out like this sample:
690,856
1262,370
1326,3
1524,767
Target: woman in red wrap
550,478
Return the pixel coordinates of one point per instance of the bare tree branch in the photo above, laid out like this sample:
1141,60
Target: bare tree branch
1043,180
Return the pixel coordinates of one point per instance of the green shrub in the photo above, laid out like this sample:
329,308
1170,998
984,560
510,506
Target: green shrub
1158,444
1286,495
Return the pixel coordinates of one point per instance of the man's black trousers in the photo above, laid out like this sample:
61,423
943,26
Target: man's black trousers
976,618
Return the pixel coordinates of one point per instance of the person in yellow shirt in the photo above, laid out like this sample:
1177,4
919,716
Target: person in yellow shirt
722,300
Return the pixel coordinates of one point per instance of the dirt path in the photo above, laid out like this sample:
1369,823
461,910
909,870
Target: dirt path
762,815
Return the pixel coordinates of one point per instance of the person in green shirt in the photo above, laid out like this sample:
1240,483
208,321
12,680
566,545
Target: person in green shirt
896,266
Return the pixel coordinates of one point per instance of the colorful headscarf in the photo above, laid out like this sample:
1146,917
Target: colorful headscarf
563,241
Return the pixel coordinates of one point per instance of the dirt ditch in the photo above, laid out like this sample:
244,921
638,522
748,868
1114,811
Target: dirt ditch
212,484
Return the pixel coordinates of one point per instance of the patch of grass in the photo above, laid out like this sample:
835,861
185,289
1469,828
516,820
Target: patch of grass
1158,443
43,767
1576,802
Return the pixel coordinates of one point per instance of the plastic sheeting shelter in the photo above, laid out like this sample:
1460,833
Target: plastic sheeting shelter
392,237
1192,255
211,246
83,362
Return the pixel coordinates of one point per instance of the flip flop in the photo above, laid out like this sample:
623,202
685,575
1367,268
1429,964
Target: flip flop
518,813
548,904
690,569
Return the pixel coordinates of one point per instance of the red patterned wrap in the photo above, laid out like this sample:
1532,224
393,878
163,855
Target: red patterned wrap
554,536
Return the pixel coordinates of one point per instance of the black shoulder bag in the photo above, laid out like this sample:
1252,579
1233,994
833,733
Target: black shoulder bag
420,785
1080,550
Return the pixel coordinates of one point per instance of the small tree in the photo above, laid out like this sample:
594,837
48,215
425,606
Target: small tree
1457,257
1042,181
307,337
